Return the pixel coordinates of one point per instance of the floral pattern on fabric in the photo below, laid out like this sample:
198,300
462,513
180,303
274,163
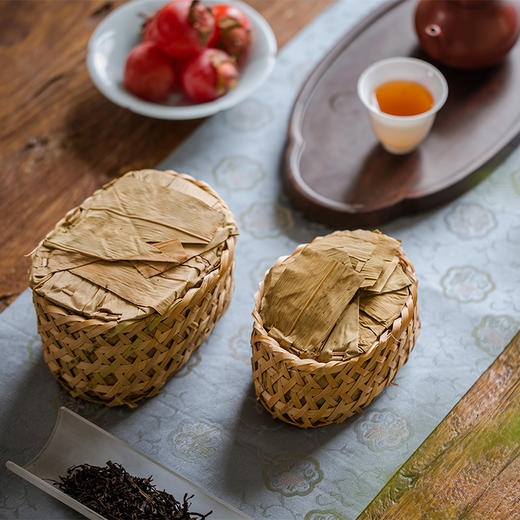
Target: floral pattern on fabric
467,284
382,430
195,440
494,332
240,344
238,172
470,220
292,474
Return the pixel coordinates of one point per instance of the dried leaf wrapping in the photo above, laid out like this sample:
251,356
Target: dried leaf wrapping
333,299
121,279
308,298
344,245
153,203
385,307
344,338
397,280
305,301
369,330
134,247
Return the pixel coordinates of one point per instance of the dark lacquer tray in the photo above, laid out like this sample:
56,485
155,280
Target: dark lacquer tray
336,171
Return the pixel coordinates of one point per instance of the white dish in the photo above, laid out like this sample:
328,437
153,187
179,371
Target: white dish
74,440
118,33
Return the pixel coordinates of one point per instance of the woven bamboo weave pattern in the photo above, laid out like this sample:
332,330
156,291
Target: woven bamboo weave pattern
308,393
122,362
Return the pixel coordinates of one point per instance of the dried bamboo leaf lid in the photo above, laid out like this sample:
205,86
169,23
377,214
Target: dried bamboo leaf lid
334,298
134,247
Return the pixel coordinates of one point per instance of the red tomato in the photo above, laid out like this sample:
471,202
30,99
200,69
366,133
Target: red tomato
232,30
209,75
184,28
149,73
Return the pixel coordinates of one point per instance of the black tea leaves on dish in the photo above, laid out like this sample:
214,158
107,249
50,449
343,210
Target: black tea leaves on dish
112,492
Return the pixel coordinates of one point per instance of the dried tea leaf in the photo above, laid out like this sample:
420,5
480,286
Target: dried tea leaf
173,248
284,341
127,283
177,182
126,221
171,208
46,261
386,269
343,245
308,298
192,249
274,274
116,494
369,330
343,340
196,267
381,265
397,280
149,269
75,293
386,307
107,236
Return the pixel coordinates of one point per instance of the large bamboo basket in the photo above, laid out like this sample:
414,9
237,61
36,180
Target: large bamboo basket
308,393
120,363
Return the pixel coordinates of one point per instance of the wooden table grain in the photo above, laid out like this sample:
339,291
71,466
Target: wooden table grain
60,138
468,468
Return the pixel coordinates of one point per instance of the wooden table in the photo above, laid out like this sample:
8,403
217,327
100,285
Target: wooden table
60,138
468,467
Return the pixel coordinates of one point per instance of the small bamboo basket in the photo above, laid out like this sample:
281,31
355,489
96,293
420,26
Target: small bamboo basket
121,362
308,393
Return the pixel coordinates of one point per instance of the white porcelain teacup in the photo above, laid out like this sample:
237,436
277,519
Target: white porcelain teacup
401,134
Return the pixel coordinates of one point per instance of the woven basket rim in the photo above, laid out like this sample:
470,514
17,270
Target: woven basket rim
229,244
296,361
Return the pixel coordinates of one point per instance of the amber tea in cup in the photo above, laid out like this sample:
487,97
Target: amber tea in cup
403,98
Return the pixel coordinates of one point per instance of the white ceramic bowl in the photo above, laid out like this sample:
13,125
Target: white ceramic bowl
118,33
401,134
